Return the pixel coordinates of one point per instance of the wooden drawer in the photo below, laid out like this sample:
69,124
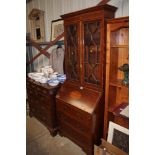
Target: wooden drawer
39,98
28,84
75,113
81,127
43,113
82,140
32,93
33,102
29,91
45,117
33,109
43,91
36,89
45,100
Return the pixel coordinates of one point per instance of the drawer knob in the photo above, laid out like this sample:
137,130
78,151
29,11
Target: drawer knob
81,87
57,96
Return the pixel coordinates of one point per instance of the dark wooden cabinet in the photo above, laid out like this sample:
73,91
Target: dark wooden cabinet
80,115
85,36
80,101
117,82
41,99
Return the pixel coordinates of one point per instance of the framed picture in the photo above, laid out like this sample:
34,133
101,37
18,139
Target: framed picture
57,27
118,136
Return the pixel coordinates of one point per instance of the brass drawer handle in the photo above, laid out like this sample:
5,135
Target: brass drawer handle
80,65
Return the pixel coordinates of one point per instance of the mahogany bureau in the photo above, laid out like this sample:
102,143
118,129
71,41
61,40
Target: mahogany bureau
41,99
79,114
80,100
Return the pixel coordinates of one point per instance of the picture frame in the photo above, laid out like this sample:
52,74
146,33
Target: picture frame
57,27
118,136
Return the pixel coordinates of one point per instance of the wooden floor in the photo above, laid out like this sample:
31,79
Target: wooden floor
40,142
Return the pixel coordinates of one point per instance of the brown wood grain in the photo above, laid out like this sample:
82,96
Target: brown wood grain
117,54
41,99
80,101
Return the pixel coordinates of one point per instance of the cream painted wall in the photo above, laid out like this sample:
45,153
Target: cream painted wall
54,8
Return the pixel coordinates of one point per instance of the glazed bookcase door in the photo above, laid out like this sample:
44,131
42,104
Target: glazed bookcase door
72,61
92,74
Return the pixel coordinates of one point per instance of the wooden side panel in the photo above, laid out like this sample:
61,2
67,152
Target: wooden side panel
117,93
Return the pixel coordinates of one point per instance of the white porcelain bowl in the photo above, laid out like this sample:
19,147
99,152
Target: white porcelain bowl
54,83
43,80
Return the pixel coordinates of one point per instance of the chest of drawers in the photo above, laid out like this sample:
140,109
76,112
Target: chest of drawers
79,114
41,99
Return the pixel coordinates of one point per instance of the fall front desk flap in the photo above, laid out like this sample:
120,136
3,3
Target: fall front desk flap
80,97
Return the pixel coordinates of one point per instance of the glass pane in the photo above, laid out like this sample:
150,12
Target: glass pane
72,57
92,52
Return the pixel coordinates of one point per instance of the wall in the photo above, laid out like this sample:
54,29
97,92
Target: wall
54,8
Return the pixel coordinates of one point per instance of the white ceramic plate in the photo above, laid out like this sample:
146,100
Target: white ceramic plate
53,84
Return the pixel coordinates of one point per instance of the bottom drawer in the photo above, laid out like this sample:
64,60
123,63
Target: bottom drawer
43,115
46,119
78,138
33,109
84,129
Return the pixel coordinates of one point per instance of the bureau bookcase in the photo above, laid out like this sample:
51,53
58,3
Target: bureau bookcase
80,100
